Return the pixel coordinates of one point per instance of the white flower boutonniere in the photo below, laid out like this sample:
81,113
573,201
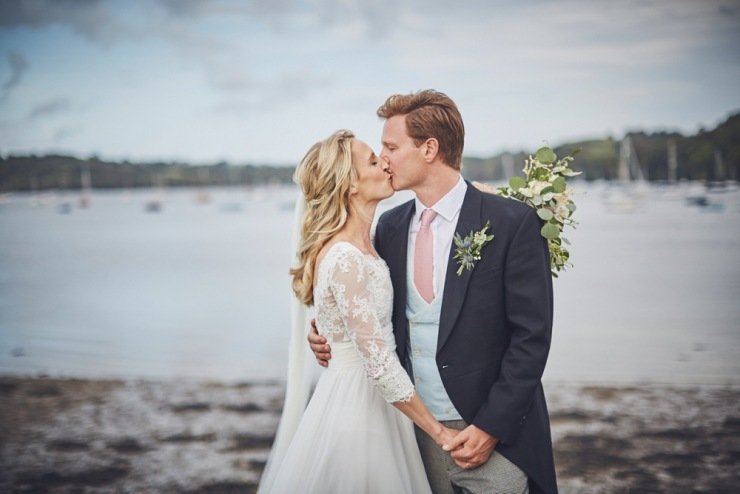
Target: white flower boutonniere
467,250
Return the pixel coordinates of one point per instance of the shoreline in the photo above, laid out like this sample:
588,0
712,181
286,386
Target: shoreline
615,382
140,435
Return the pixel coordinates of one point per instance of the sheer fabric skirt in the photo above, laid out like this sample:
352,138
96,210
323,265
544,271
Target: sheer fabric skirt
351,441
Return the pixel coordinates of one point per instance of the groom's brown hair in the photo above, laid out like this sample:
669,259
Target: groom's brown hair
430,113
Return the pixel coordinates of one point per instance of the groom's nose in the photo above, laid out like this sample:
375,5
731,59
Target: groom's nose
386,163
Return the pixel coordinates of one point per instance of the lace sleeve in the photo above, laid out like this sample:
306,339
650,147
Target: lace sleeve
349,283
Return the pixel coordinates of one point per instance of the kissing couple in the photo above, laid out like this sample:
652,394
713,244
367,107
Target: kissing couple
433,379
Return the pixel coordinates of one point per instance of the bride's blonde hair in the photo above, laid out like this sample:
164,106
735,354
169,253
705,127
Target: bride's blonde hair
324,176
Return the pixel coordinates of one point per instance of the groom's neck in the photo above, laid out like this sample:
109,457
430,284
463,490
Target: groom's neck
438,182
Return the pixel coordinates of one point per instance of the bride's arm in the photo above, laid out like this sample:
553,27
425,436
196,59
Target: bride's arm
349,285
420,415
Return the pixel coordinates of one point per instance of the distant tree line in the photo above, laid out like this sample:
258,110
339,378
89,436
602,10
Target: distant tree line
711,155
66,172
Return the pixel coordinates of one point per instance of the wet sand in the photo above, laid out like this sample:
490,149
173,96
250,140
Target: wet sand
100,436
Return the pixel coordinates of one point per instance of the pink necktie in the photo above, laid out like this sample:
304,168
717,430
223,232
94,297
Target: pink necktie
423,257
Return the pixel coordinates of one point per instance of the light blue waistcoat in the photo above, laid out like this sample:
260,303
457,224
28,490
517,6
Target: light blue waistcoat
423,333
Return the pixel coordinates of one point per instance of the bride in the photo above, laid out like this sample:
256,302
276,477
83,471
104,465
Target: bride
349,439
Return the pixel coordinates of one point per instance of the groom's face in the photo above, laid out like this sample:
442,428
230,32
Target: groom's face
405,159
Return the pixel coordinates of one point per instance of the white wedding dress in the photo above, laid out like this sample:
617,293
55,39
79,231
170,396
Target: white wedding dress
350,438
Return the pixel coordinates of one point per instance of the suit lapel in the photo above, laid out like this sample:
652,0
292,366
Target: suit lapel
456,286
397,242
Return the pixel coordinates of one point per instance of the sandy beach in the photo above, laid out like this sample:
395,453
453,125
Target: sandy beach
96,436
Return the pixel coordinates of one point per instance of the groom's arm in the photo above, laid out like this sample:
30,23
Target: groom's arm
528,305
528,295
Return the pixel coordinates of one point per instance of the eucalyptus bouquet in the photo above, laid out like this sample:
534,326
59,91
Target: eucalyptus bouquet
544,187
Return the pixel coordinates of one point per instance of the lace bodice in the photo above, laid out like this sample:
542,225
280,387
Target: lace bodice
354,299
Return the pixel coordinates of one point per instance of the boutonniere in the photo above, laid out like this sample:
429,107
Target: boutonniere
467,250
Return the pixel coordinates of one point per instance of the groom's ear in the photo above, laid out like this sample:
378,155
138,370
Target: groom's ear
431,149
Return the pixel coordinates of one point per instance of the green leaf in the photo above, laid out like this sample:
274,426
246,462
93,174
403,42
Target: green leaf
541,174
558,185
571,206
544,214
550,231
545,155
517,183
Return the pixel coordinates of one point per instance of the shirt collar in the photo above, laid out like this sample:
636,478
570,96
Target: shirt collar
448,205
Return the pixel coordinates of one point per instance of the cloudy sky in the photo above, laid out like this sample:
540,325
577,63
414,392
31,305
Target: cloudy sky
259,81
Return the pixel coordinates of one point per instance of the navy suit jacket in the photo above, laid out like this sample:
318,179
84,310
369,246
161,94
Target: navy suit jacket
495,326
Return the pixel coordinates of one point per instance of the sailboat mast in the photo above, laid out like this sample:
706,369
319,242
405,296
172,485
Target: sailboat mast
86,185
625,156
507,166
672,162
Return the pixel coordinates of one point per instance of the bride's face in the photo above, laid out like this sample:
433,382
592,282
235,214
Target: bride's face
373,180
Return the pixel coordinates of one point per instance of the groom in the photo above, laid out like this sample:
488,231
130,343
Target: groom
475,343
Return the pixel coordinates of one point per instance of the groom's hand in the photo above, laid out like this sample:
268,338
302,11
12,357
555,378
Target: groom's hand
472,447
318,345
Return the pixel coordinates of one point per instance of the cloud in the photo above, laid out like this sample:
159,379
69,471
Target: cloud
91,19
18,65
276,12
186,8
65,132
565,41
233,67
49,108
271,94
345,16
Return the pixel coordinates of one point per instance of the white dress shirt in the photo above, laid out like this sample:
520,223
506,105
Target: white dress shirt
443,230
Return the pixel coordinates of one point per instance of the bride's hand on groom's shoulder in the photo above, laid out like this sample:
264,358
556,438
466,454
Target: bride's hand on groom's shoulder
319,347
